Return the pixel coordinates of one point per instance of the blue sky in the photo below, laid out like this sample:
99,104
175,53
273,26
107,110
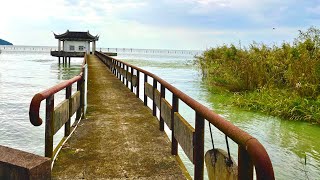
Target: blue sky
168,24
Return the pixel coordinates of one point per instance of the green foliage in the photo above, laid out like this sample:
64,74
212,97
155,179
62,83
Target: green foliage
280,102
292,69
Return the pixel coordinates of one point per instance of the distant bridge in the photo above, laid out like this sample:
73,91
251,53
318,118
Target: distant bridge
46,49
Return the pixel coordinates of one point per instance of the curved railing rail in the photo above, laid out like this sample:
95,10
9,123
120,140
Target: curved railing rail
251,152
59,116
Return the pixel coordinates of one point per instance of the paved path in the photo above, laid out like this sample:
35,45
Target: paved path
119,139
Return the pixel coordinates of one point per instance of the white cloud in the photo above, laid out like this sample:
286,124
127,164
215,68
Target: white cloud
31,22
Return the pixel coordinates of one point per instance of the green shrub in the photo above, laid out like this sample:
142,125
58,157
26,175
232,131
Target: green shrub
293,68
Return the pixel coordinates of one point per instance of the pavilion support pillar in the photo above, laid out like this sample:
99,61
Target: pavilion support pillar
69,60
59,60
89,47
59,45
93,46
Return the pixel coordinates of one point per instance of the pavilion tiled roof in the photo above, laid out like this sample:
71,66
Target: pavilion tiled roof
76,36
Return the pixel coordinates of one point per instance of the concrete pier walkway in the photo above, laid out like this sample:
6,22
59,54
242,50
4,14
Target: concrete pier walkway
118,139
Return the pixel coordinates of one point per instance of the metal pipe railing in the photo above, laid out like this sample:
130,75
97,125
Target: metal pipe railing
48,95
251,153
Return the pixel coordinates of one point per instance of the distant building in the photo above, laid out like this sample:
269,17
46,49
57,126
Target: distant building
74,44
73,41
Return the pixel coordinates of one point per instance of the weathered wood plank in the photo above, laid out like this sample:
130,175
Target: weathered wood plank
183,132
74,103
148,90
134,80
61,115
117,68
218,168
166,112
157,98
129,76
123,72
109,63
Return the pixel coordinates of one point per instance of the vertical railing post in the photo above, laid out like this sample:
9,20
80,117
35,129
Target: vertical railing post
138,84
245,166
175,108
113,67
82,93
112,64
127,70
49,126
78,115
131,70
122,67
145,99
198,149
154,107
118,68
162,94
68,123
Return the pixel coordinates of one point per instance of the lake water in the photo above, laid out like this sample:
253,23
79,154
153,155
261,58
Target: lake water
26,70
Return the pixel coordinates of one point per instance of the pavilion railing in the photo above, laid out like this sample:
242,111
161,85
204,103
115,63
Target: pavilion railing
251,153
60,115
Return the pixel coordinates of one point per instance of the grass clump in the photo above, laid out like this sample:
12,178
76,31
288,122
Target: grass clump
280,80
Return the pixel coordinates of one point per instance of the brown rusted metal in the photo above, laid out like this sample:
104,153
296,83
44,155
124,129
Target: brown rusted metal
36,100
78,115
162,93
259,157
245,166
175,108
131,70
48,94
138,84
122,67
145,99
49,126
68,123
117,67
198,153
154,110
127,70
257,152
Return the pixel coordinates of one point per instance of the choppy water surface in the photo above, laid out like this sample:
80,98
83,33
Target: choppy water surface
22,74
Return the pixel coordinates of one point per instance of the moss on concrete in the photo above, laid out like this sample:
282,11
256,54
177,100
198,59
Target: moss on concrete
119,137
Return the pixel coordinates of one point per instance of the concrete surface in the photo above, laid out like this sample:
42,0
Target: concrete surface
20,165
119,139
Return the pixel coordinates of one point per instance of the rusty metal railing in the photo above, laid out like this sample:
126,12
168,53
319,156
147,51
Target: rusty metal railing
56,117
251,153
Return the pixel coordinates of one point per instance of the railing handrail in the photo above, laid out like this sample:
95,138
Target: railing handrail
257,152
34,108
36,100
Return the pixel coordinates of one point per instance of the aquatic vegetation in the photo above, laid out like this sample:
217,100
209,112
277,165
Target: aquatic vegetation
281,80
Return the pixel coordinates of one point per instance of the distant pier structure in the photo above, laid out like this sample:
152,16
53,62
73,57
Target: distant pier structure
74,44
